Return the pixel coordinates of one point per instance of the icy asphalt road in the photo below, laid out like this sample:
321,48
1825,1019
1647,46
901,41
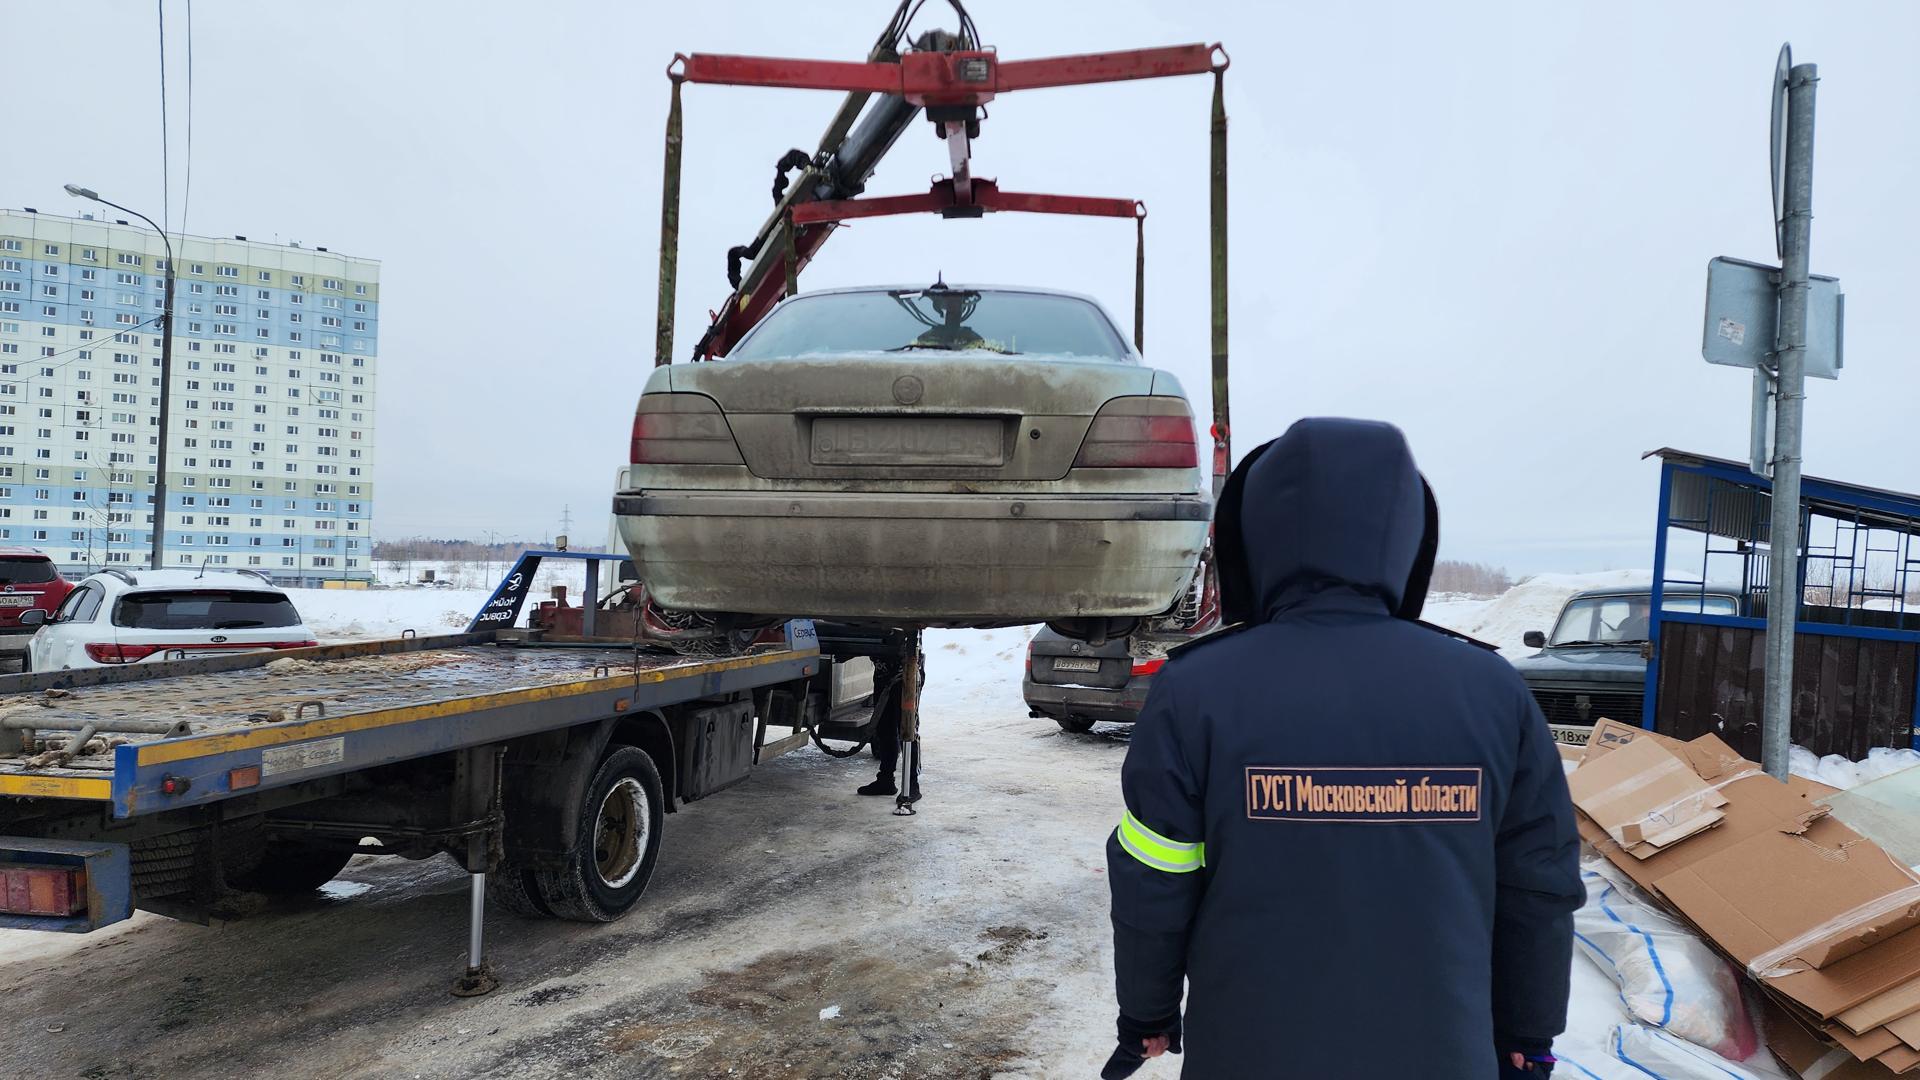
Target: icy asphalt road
969,941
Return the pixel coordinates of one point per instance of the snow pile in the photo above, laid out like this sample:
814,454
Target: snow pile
1533,604
358,614
1836,771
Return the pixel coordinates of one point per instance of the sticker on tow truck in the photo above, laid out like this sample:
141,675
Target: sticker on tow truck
307,755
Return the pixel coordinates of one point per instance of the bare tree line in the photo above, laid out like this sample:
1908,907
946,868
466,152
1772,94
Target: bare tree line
1469,578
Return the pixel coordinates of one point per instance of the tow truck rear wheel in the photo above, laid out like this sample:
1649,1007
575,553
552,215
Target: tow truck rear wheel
618,845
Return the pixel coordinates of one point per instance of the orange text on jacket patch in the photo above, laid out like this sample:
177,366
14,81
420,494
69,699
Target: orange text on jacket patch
1381,794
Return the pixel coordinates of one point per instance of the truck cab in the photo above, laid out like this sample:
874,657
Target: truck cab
1593,662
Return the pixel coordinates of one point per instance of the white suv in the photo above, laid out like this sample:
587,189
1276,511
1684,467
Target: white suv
142,616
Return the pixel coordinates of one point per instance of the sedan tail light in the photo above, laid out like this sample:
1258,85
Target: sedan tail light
682,429
1148,667
1140,433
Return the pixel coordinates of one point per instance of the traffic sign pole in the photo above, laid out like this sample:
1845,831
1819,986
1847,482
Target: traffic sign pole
1783,587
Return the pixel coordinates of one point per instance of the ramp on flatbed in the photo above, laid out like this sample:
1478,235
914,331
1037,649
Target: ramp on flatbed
316,712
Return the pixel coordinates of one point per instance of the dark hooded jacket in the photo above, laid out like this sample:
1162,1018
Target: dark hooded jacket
1389,856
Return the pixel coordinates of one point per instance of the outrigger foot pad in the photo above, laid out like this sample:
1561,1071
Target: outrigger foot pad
475,982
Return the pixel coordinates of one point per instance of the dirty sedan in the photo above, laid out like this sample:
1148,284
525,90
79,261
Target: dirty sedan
937,456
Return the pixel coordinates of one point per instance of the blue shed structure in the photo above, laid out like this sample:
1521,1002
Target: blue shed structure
1858,624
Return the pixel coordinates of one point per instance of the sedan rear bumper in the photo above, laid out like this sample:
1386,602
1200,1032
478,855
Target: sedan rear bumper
934,559
1088,702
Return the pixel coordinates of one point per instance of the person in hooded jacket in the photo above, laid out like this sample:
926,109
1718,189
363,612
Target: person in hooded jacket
1346,832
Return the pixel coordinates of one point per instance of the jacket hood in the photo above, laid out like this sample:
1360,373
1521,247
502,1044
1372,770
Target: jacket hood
1331,504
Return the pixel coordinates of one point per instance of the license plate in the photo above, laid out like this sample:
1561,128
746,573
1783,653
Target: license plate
16,601
1569,735
1074,663
875,440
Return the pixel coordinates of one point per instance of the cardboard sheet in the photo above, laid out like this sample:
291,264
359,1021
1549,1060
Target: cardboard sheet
1806,894
1645,796
1875,1011
1804,1054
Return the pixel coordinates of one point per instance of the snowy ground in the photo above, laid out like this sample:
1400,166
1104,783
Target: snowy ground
971,940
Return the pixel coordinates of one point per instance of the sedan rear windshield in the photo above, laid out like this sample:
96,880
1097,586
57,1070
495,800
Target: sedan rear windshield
938,320
205,609
26,571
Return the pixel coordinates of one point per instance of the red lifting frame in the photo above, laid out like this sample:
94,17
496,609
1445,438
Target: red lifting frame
987,197
950,78
962,78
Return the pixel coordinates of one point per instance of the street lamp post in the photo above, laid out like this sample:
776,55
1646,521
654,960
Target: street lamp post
166,375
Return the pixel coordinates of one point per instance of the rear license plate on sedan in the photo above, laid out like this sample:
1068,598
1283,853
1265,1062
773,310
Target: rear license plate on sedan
16,601
1075,663
886,440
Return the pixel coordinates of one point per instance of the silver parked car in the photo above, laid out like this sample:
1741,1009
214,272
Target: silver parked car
939,456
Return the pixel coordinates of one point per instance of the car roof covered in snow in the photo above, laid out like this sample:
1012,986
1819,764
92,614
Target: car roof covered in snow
210,578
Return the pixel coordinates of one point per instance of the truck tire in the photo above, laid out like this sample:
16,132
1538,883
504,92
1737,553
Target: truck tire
292,869
620,822
513,888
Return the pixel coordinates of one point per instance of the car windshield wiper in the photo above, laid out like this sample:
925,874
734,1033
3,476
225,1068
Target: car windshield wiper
237,624
979,346
1566,644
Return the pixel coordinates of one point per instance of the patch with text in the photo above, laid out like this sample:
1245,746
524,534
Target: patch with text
1392,793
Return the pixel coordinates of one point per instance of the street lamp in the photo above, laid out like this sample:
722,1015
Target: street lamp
166,373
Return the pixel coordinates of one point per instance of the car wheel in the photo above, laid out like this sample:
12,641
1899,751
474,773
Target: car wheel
1075,725
618,845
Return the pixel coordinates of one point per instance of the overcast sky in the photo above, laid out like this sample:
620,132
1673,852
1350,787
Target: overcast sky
1487,223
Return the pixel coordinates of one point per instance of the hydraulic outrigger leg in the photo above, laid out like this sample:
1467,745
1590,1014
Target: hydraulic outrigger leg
910,673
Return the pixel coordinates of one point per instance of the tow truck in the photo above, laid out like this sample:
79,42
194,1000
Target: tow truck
541,757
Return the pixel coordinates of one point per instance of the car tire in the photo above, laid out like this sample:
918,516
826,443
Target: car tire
1074,725
292,869
618,845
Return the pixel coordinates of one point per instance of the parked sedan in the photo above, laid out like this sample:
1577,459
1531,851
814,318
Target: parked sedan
936,456
145,616
1077,683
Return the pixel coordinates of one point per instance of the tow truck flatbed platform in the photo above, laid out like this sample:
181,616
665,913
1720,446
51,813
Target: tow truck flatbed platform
262,720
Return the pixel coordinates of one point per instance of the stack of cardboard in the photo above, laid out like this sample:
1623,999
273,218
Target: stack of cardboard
1823,920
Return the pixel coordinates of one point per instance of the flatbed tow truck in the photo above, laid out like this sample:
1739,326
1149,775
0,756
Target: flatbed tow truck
544,765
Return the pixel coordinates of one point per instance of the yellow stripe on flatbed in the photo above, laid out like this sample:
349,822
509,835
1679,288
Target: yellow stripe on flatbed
272,735
57,787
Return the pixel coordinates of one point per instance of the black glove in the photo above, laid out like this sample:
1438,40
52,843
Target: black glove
1127,1057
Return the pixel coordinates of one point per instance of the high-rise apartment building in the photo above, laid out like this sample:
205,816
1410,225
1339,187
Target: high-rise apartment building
270,446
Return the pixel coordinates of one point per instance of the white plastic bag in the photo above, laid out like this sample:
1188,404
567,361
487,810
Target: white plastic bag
1668,978
1659,1054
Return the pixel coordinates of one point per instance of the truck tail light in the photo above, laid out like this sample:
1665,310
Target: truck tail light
1140,433
107,653
1148,667
682,429
59,891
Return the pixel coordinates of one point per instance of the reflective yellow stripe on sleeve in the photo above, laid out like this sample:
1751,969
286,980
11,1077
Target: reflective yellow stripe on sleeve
1157,851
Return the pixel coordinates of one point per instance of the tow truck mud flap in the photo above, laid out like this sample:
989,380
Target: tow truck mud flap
69,887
